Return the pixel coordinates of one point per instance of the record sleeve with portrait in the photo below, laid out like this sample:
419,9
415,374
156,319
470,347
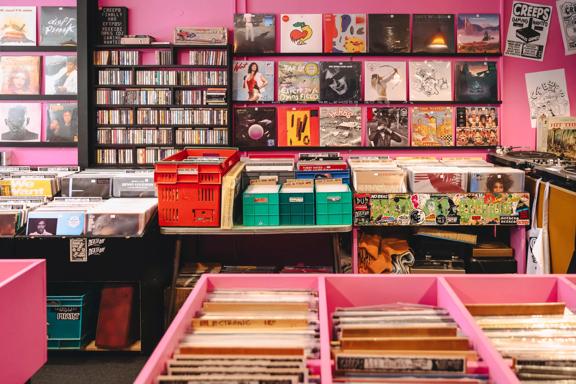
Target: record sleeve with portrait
476,81
340,126
41,226
430,81
17,25
19,75
387,127
476,126
496,180
385,81
389,33
58,26
253,80
255,127
301,33
62,122
20,122
298,81
345,32
433,33
340,82
254,33
60,75
478,33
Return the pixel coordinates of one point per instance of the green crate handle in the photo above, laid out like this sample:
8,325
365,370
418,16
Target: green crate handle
296,199
334,198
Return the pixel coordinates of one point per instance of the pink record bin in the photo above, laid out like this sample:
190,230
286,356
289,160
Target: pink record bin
23,330
449,292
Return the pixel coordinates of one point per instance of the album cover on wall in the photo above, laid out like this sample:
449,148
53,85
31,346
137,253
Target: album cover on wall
476,81
340,82
340,126
476,126
20,122
433,33
430,81
298,81
301,33
432,127
20,75
255,127
385,81
62,122
58,26
253,80
478,33
254,33
60,75
345,32
17,25
298,127
387,127
389,33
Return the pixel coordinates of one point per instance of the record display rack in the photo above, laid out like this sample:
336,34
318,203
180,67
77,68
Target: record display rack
366,54
202,131
39,48
39,97
35,144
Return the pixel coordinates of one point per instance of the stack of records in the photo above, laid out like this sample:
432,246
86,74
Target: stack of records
44,181
64,216
14,213
377,175
268,164
397,343
120,217
106,183
465,162
406,161
437,179
249,336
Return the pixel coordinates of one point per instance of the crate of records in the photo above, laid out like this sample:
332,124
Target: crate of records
189,186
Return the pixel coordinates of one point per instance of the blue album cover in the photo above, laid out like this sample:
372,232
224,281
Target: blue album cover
69,223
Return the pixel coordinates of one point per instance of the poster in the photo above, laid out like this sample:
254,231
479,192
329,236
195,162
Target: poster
547,94
528,30
567,17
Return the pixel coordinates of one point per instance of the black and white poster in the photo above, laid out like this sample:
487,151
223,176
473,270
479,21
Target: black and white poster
567,17
528,30
547,94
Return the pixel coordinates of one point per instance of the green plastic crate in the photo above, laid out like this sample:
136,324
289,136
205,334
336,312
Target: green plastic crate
71,319
333,207
261,209
297,208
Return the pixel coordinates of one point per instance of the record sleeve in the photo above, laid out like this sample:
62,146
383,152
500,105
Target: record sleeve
432,127
60,75
298,127
496,180
253,80
18,25
437,179
254,33
58,26
389,33
298,81
133,185
20,122
300,33
111,224
83,185
387,127
433,33
62,123
68,223
476,81
430,81
20,75
478,33
340,126
476,126
384,81
340,82
345,32
255,127
9,222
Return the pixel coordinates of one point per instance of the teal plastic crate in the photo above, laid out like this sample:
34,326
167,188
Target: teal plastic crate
333,204
297,207
260,205
71,319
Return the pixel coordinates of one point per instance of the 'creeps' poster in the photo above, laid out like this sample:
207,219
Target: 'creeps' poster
528,30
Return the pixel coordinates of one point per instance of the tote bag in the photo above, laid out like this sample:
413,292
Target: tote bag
538,255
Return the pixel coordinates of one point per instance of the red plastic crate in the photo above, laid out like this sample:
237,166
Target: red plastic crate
189,194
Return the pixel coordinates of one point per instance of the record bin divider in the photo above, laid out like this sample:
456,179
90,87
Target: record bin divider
324,318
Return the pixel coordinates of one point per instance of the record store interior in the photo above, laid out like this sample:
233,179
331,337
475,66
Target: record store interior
287,192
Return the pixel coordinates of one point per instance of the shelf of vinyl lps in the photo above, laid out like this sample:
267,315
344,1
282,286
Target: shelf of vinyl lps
365,54
366,148
158,46
38,48
365,103
246,230
38,97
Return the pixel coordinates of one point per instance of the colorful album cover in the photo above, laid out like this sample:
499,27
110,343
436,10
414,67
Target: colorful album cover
255,127
384,81
478,33
345,32
432,127
340,82
476,126
496,180
298,127
389,33
561,136
253,80
433,34
62,123
20,122
69,223
19,75
254,33
60,75
476,81
298,81
17,25
387,127
301,33
340,126
58,26
430,81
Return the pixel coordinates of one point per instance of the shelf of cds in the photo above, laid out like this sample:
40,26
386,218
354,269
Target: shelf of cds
152,100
